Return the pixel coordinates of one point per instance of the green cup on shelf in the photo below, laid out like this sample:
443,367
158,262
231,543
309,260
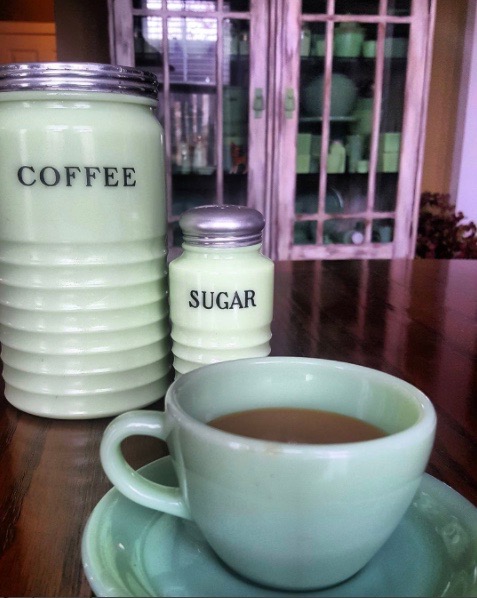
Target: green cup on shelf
348,40
369,48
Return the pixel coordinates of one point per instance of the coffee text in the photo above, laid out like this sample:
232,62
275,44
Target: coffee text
71,176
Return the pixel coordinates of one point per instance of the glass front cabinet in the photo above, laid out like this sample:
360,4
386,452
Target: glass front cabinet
311,111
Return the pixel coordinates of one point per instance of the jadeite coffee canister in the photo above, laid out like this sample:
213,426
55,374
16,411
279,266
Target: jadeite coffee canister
83,296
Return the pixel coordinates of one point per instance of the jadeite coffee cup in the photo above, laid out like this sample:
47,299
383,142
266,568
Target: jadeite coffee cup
290,516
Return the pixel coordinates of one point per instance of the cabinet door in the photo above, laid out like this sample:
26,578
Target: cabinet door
210,57
25,41
350,112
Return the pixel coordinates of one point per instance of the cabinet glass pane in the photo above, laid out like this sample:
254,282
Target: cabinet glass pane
351,115
394,81
345,231
148,53
314,6
237,5
353,94
351,110
310,118
147,4
312,51
400,8
192,58
304,233
193,132
192,112
192,5
192,44
148,44
235,109
383,230
360,7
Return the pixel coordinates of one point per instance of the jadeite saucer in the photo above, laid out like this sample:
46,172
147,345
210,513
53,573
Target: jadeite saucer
129,550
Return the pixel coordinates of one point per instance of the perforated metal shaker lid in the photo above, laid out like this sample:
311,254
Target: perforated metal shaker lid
77,76
222,226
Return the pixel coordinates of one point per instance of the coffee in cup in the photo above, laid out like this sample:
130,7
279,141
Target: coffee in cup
288,515
297,426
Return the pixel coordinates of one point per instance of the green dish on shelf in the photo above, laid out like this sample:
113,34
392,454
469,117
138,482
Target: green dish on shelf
343,96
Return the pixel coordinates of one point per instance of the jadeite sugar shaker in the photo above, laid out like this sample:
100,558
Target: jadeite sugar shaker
221,288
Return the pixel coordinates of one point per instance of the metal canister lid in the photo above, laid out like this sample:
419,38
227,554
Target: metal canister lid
77,76
222,226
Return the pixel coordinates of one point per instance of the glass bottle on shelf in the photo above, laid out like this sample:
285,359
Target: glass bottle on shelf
185,163
336,158
199,156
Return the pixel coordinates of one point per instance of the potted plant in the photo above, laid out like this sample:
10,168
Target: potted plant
444,233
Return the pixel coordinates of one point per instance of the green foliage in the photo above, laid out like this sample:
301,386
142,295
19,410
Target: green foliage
442,232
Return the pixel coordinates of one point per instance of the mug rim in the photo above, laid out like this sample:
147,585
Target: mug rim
421,429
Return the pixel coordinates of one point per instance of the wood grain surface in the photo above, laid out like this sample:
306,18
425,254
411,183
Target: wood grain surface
413,319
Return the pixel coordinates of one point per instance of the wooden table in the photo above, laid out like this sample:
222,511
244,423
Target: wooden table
413,319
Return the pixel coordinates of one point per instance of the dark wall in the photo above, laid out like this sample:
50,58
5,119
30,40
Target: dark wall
82,30
81,25
27,10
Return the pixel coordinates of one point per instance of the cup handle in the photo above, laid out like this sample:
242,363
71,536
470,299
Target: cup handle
129,482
